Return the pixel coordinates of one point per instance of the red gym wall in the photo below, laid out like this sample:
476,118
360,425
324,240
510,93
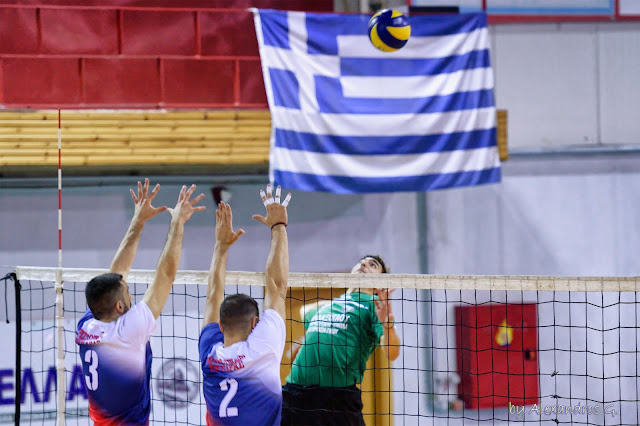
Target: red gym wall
134,54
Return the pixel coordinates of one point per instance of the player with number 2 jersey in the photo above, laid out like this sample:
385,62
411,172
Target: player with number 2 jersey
240,352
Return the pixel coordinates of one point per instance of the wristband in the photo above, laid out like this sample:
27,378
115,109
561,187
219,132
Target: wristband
279,223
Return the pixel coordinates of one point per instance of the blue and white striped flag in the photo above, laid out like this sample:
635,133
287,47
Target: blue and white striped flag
347,118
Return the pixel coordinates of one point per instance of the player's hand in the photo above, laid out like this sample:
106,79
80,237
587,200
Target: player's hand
143,208
185,207
383,306
224,226
276,212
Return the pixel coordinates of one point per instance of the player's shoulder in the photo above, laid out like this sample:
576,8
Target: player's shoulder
137,321
84,319
270,331
273,318
138,311
272,313
92,332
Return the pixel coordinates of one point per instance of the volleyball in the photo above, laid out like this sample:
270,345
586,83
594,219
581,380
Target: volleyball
389,30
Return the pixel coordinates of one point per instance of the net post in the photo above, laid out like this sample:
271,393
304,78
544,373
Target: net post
425,296
18,381
60,367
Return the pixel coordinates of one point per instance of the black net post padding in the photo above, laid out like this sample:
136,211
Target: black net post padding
6,299
18,290
18,385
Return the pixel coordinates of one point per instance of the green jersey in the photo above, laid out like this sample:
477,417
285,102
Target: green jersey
339,339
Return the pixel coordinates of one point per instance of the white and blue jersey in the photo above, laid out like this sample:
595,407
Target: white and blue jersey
241,382
116,360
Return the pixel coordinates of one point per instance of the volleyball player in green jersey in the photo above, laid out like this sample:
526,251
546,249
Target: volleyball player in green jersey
340,336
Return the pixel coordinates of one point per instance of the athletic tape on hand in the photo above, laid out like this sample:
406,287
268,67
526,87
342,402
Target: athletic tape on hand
285,203
278,190
266,201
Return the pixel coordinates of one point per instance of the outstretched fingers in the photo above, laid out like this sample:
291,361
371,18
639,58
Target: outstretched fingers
196,200
276,211
190,191
154,192
159,210
259,218
186,207
266,199
224,225
145,188
236,235
183,190
285,203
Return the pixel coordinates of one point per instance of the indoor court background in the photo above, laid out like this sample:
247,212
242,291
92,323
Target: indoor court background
565,72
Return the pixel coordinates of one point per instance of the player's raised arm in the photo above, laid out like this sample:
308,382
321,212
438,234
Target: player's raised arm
225,237
158,292
390,341
277,269
143,211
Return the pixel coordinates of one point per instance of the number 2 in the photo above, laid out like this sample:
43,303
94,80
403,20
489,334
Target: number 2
230,385
92,380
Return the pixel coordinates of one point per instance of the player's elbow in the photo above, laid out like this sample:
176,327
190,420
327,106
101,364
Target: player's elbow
167,271
391,348
278,282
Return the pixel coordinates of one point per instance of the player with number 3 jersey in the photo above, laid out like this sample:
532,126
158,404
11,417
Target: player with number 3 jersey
113,336
240,352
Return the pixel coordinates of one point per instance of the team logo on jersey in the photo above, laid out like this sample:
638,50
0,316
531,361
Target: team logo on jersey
225,365
177,382
84,338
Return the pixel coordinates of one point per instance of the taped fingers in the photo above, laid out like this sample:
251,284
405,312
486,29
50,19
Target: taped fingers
285,203
266,201
278,190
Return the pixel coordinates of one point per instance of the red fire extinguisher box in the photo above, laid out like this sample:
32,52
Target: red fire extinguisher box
497,355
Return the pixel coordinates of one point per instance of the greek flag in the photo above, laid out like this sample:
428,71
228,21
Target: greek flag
347,118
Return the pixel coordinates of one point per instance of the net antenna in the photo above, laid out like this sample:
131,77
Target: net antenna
60,365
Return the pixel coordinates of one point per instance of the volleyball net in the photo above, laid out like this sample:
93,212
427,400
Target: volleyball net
475,349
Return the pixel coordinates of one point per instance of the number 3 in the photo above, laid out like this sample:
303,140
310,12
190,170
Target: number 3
225,410
91,381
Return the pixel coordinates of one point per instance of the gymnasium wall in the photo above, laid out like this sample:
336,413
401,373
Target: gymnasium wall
565,216
563,84
133,54
568,84
330,234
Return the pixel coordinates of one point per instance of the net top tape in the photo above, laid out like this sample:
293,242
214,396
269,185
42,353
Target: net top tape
347,280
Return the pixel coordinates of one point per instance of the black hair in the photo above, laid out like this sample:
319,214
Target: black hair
378,259
102,293
237,311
